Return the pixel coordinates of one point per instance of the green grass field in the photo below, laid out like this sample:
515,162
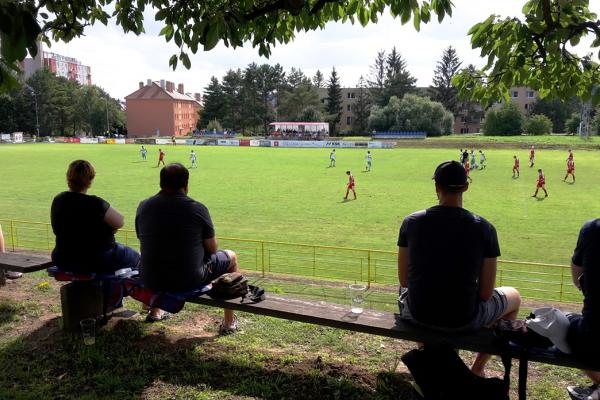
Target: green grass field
291,194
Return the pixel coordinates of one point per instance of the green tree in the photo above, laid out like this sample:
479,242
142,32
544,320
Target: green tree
442,89
231,113
7,113
361,109
312,114
538,124
596,122
212,104
318,80
377,79
296,78
192,25
557,110
333,105
572,124
505,120
539,49
399,81
293,103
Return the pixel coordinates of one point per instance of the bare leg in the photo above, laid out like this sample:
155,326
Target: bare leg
513,302
228,319
346,196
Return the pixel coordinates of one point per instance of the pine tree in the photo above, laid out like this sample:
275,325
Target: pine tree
318,80
399,81
361,109
377,79
443,90
212,103
334,102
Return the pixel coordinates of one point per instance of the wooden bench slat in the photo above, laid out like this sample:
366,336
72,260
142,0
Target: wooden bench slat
377,323
23,262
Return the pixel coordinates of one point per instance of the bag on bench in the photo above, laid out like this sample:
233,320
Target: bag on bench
442,375
229,286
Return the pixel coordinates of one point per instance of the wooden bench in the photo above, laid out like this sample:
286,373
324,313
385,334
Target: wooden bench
22,262
338,316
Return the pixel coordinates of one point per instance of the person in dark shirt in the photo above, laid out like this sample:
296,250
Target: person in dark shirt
178,244
584,330
447,260
84,226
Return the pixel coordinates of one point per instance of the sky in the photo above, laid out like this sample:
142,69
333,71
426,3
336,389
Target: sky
119,61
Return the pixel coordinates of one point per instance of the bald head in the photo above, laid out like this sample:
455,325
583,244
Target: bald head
174,177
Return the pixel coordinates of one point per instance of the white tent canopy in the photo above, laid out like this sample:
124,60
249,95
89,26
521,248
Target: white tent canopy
300,126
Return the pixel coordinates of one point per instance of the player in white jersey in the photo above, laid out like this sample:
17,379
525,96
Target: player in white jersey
482,159
332,158
193,159
369,159
143,152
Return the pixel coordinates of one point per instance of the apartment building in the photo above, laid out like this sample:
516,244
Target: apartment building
59,65
349,97
158,109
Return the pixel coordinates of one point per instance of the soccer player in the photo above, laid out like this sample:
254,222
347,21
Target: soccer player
570,170
531,156
161,157
482,159
468,169
516,166
473,160
350,185
369,159
143,152
332,158
193,159
465,157
541,183
570,158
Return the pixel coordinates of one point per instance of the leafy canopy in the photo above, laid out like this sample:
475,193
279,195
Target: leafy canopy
538,50
192,24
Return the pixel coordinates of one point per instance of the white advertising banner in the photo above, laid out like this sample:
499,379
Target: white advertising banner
300,143
255,143
88,140
163,141
17,137
229,142
375,145
181,141
119,141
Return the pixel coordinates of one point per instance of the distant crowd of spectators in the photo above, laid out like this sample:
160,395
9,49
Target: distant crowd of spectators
289,134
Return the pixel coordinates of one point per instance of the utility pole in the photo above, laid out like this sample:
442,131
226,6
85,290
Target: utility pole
106,100
37,120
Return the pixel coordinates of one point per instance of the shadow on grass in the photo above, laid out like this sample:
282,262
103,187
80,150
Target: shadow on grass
8,313
128,362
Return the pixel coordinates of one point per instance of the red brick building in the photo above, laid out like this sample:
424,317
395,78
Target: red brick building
157,109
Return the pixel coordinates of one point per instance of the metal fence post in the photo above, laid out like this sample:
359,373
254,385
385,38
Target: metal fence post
12,234
562,282
262,251
314,261
368,269
48,236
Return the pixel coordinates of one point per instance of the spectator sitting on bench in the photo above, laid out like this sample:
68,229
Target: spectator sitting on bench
447,260
584,330
178,244
8,274
85,227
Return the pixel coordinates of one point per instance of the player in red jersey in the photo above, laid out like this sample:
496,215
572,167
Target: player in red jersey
161,157
350,185
541,183
468,169
531,156
570,170
570,157
516,166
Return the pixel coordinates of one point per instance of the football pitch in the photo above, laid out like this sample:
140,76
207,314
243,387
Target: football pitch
291,195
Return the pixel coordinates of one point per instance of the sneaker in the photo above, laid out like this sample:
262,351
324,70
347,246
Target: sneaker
13,274
162,315
229,330
595,394
583,393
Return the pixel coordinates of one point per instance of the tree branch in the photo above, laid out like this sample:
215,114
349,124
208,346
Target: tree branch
293,6
546,8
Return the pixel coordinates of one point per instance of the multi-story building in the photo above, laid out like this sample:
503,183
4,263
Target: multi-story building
59,65
349,97
157,109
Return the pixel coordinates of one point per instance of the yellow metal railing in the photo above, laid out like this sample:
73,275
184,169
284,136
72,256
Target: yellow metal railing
540,281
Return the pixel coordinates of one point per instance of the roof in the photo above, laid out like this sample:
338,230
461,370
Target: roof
298,123
155,92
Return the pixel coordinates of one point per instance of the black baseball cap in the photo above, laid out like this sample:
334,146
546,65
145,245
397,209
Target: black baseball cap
450,175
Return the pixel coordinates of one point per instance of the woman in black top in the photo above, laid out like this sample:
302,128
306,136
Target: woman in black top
85,225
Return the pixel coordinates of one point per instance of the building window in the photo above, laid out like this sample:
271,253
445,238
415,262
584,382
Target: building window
348,120
530,94
349,107
526,106
514,94
348,94
352,95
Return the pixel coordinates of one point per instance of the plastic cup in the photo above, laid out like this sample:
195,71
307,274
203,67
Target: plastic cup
356,293
88,331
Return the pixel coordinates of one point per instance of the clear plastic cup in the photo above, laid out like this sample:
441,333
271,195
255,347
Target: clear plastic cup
88,331
356,293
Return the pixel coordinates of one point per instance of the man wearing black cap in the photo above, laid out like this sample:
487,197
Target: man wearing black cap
447,260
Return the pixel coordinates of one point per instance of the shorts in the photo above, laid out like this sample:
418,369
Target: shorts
488,312
121,256
541,184
583,340
350,187
217,265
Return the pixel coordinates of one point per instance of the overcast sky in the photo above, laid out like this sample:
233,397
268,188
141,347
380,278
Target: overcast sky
120,61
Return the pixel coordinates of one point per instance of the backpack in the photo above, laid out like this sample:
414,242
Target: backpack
442,375
517,332
229,286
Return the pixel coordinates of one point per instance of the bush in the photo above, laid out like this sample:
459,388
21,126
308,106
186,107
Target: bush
412,113
214,125
537,125
505,120
572,124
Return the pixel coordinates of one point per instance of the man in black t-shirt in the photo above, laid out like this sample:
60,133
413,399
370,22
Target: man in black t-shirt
447,260
584,330
178,244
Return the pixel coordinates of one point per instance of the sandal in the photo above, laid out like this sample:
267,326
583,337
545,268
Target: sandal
163,315
228,330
